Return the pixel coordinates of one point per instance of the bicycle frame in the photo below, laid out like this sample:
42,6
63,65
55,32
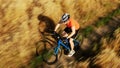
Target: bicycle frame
55,53
61,43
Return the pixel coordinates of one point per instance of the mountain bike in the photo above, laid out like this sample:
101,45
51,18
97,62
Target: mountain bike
52,45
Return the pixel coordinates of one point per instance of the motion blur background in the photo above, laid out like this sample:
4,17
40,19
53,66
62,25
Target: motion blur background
20,24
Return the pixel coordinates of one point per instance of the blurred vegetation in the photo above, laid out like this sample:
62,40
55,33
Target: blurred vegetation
20,21
87,31
103,21
36,61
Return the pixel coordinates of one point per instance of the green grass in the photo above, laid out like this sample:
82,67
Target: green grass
95,48
116,12
87,31
38,60
103,21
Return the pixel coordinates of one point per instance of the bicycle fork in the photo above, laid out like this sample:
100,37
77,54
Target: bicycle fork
58,47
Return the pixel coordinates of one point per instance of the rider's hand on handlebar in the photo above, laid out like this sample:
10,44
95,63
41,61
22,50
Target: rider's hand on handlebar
65,40
54,32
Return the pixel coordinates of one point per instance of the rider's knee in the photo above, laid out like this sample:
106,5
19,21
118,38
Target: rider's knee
71,40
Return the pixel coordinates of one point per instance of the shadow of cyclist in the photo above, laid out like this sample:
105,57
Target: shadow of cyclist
46,24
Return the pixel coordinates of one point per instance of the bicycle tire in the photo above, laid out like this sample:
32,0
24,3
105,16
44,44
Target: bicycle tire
50,58
43,49
42,45
80,38
45,43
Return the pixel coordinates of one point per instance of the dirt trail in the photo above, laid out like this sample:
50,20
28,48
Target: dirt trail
99,32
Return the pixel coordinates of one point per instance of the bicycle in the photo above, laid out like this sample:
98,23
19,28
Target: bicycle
53,53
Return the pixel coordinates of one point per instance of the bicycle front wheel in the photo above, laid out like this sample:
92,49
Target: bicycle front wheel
50,57
43,45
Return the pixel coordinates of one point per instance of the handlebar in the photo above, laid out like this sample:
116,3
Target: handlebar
57,36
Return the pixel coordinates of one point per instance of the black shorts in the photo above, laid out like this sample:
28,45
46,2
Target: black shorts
69,30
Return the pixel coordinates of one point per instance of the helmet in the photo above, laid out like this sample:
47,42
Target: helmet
65,17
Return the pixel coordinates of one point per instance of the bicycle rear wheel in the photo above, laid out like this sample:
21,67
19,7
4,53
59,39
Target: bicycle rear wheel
79,38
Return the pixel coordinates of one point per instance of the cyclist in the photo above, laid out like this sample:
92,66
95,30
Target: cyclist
72,27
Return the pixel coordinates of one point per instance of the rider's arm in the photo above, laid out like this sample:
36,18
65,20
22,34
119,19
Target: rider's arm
57,26
73,32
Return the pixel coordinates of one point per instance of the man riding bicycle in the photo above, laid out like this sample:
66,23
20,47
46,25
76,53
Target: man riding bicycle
72,27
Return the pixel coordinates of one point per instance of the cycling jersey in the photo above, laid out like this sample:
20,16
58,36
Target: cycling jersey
70,24
73,23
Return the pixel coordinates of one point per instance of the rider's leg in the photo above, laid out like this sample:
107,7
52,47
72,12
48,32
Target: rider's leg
72,47
71,43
